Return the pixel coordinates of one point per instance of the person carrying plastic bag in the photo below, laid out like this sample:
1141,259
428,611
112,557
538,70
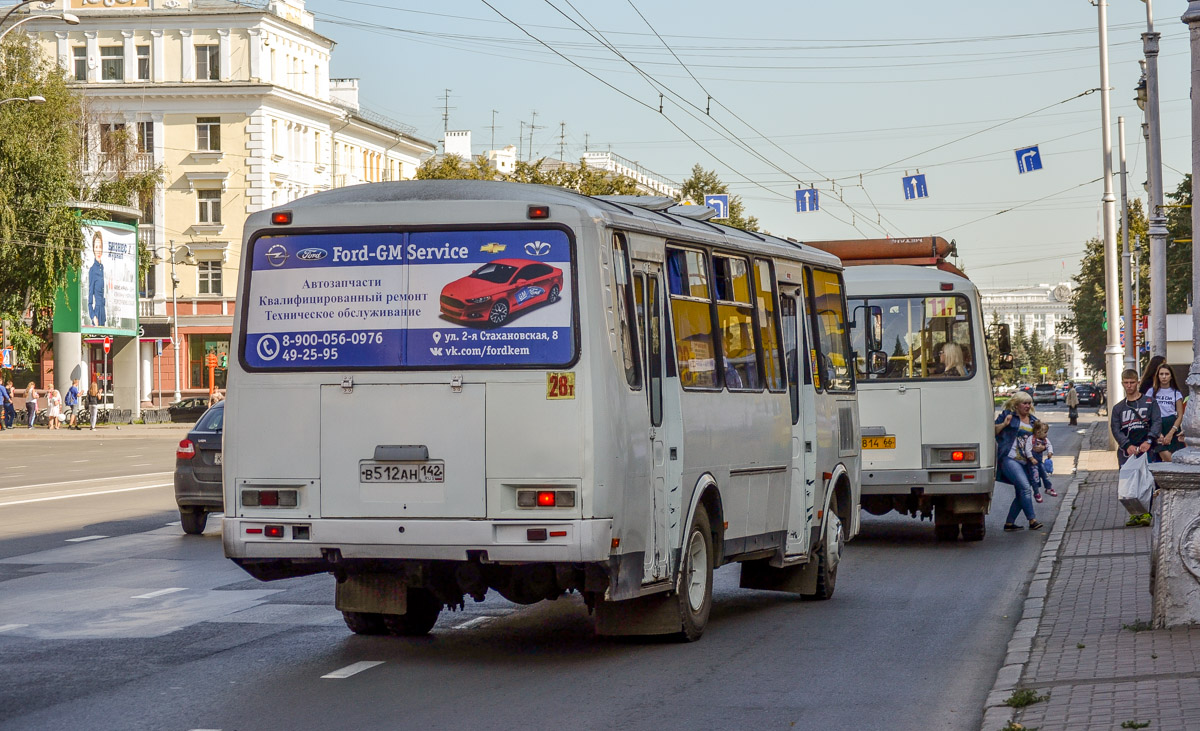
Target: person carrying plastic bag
1136,425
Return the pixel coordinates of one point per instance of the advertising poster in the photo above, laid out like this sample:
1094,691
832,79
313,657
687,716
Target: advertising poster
422,299
108,278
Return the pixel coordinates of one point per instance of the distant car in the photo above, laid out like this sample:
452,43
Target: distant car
1088,395
1060,391
1026,388
186,411
494,291
1043,393
198,471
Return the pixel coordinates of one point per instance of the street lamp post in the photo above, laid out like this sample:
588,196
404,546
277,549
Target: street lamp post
69,18
1156,219
1191,427
1112,285
172,250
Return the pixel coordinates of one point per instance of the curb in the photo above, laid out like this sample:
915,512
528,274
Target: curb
996,715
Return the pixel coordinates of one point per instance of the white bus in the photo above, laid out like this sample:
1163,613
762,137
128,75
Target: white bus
445,387
927,435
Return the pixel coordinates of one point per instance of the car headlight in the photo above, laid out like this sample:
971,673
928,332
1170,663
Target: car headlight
479,300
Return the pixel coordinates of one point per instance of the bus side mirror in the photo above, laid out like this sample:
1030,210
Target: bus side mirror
877,362
1003,342
875,328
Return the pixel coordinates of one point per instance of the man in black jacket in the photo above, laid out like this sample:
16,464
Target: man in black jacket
1136,424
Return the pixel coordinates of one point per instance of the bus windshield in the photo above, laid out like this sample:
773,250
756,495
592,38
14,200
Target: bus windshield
925,338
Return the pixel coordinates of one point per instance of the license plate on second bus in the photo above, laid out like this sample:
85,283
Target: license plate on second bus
371,471
888,442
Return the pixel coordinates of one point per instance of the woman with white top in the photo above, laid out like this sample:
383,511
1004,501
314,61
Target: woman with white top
1171,405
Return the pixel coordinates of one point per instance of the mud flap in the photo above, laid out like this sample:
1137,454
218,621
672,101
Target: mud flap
374,593
760,574
656,614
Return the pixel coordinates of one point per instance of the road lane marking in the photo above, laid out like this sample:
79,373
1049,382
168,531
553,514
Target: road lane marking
77,461
84,538
144,464
160,592
67,483
7,627
354,669
84,494
473,622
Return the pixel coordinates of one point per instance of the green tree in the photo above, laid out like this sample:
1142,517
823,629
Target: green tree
580,178
453,167
704,182
1179,246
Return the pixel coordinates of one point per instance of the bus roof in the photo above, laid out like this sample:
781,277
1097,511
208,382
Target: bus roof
618,212
901,279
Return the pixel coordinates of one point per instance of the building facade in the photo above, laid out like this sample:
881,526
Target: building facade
234,103
1041,309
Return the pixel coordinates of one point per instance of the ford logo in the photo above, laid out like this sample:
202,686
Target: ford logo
312,254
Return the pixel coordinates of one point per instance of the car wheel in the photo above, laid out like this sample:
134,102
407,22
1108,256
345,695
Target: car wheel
553,295
193,520
499,313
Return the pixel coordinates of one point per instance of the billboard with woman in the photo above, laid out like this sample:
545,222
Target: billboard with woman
104,300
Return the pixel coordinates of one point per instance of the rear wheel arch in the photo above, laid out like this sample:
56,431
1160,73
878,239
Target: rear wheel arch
707,496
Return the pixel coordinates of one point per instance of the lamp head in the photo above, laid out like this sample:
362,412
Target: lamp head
36,99
1141,94
70,18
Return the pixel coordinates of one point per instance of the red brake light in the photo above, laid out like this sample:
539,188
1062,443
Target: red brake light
281,218
268,497
273,531
956,456
947,286
969,456
539,212
545,499
186,449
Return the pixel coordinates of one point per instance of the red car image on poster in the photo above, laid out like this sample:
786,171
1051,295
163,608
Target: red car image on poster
493,292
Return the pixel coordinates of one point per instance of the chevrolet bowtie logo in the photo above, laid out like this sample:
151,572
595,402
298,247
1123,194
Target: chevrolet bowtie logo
493,248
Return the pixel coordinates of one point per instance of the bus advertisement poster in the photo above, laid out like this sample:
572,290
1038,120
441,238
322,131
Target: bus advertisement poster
421,299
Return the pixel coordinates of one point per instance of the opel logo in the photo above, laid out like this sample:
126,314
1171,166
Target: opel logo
277,255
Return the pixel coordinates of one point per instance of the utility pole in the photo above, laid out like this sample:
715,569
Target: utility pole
1126,302
493,130
1112,285
532,126
586,141
1137,303
446,118
562,140
1156,219
1191,455
521,141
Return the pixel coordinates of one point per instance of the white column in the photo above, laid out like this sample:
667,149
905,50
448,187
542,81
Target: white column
93,56
256,40
62,50
158,65
148,382
224,54
188,56
130,55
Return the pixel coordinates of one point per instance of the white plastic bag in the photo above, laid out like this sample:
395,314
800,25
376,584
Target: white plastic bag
1136,485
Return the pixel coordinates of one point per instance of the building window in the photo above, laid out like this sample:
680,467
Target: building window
208,63
112,63
111,138
145,140
208,133
210,206
209,273
80,56
143,63
198,346
274,137
316,148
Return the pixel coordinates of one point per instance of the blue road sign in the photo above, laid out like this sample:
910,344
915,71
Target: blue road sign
808,200
7,357
718,202
914,187
1028,159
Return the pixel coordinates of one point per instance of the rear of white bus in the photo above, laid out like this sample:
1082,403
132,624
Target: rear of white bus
403,409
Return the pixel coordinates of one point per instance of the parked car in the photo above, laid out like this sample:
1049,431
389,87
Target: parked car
198,471
1088,395
1026,387
188,410
1043,393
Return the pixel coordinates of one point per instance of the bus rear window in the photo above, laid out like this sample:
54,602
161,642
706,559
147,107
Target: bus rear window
924,337
373,300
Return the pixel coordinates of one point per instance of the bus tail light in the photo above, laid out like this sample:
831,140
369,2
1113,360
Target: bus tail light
281,218
273,531
270,498
186,449
545,498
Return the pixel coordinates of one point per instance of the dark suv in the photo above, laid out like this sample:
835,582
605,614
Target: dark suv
198,471
1088,395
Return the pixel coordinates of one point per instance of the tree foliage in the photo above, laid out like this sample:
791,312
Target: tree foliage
705,182
1179,253
580,178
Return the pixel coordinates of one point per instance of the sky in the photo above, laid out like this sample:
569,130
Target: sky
846,97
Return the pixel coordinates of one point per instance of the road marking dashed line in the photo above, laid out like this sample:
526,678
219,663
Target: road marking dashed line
83,494
7,627
473,622
354,669
160,592
84,538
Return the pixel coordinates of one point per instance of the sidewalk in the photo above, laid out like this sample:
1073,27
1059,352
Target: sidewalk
108,431
1083,641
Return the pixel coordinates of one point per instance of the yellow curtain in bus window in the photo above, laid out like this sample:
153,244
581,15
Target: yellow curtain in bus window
939,307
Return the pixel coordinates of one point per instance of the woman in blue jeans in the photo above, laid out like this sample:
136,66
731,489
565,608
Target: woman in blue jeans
1013,425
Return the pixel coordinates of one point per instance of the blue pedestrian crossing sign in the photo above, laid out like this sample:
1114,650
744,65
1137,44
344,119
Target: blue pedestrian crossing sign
719,202
914,187
6,358
807,199
1028,159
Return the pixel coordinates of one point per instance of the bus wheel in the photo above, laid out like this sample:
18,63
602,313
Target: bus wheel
829,554
553,295
364,623
422,614
499,313
946,531
973,527
695,578
193,520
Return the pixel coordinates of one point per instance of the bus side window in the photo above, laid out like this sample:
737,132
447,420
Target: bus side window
654,351
735,317
764,279
787,309
691,313
832,357
623,302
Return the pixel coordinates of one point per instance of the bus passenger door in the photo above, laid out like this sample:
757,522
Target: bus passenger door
666,438
802,395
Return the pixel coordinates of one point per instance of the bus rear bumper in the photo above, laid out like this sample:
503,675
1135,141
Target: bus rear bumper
977,481
516,541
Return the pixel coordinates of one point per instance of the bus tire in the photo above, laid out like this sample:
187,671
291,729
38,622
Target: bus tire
696,577
422,614
945,531
973,527
193,520
365,623
826,566
499,313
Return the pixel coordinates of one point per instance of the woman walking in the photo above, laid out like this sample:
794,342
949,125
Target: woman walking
92,401
1014,428
31,397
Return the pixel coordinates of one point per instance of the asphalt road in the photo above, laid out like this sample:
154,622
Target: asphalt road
146,628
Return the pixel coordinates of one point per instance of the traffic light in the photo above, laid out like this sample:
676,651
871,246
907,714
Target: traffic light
224,360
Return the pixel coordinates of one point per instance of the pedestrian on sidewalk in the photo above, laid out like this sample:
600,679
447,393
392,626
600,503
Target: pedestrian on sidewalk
71,400
10,408
1171,406
5,400
1014,424
1136,424
1039,462
53,408
92,401
1072,399
31,399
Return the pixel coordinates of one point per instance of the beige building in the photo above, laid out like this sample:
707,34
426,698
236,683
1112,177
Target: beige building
235,103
